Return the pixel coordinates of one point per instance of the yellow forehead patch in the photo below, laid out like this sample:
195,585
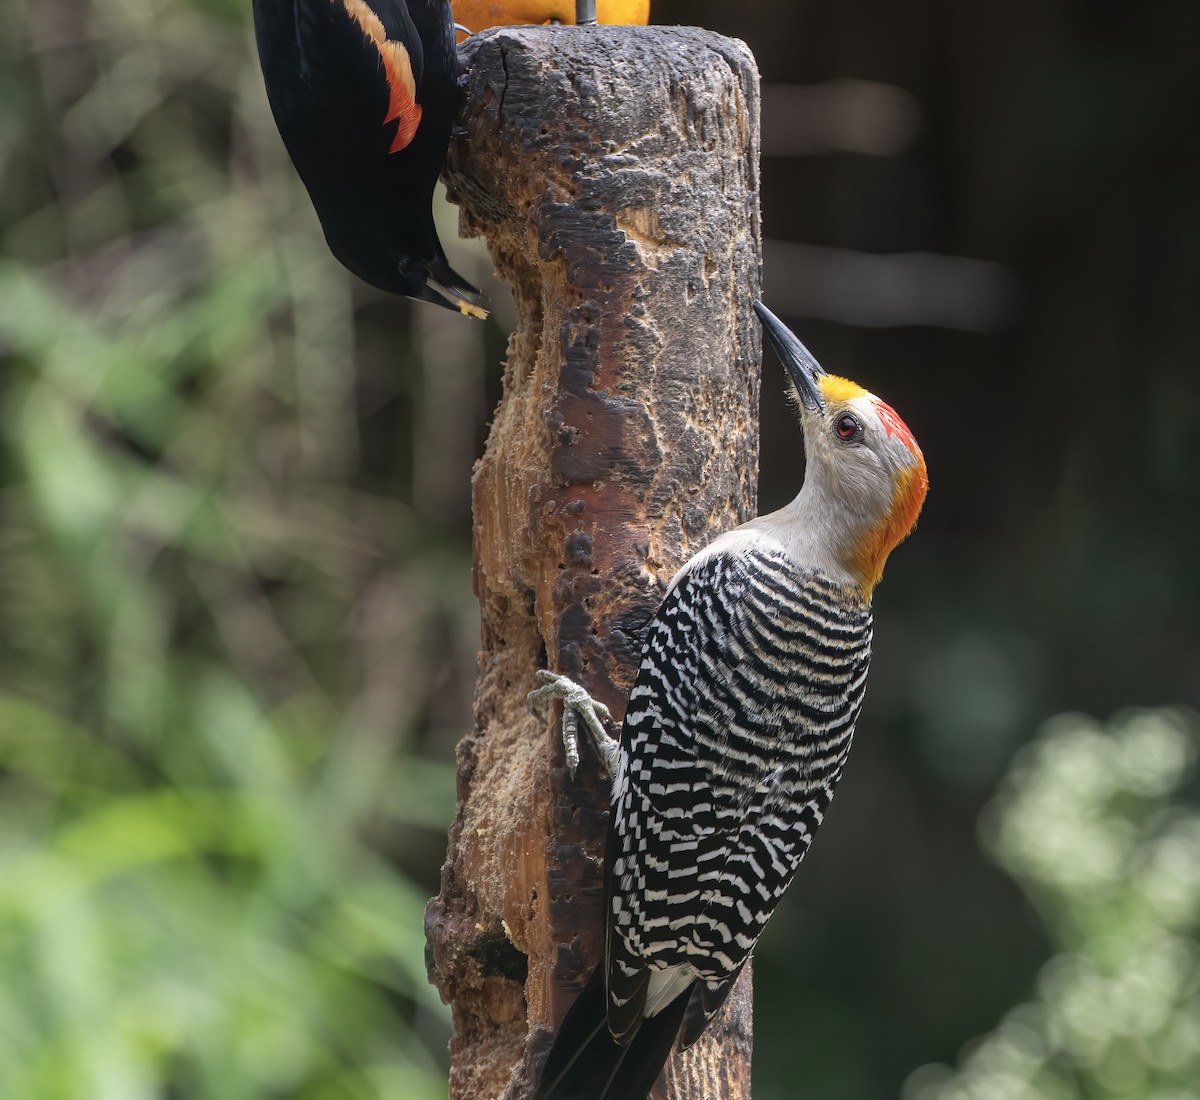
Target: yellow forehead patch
835,389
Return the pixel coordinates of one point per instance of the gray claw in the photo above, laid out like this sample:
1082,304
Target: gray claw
577,703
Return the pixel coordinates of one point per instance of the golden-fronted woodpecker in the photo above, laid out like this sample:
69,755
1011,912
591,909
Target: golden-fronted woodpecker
736,733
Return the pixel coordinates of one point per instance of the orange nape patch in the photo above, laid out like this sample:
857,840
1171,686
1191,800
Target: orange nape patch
912,484
835,389
397,67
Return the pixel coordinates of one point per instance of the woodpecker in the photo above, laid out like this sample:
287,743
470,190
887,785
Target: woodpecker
736,733
364,94
479,14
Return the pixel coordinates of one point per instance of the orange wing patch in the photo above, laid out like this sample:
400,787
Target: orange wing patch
397,67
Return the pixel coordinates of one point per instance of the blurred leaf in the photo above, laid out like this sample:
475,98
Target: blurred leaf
219,646
1091,823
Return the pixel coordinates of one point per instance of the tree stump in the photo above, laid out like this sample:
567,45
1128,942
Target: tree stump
614,174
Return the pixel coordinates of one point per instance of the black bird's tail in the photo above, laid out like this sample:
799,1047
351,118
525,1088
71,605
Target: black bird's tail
586,1063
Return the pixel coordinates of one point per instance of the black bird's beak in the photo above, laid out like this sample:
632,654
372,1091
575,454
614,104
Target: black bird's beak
802,368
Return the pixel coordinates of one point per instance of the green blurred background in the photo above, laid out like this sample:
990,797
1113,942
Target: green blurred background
237,635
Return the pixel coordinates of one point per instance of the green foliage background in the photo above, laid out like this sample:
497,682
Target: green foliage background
224,624
237,634
1098,827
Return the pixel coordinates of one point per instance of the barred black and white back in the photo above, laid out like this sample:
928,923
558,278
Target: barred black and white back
736,733
728,763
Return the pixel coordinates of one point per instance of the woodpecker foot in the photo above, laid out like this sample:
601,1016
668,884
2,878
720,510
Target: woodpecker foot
463,30
459,132
577,703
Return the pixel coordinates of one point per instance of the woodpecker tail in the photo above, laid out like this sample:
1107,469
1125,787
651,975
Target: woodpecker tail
585,1063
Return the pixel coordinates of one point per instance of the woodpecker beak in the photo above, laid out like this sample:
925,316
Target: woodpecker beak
802,368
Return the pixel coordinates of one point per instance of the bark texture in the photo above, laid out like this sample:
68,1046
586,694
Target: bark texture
614,174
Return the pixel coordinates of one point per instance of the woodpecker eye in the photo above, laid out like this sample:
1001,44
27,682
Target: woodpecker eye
848,428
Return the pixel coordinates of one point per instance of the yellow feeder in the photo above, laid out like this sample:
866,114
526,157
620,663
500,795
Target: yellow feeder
478,15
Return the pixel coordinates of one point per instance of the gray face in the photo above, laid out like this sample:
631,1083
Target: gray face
855,452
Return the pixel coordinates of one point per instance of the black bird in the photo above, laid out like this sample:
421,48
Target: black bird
364,95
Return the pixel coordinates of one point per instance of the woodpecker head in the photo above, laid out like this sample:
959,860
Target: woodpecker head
865,473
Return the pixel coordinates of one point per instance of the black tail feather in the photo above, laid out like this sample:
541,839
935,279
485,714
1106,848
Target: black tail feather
703,1005
649,1051
585,1063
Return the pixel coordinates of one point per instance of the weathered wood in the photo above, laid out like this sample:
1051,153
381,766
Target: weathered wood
614,173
